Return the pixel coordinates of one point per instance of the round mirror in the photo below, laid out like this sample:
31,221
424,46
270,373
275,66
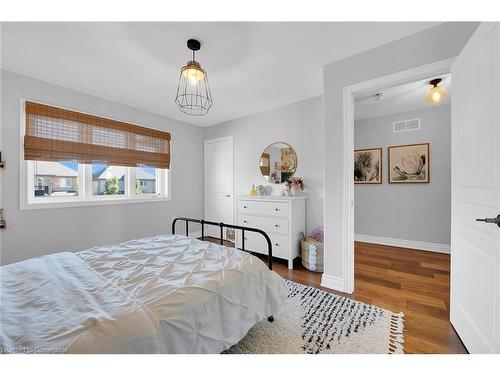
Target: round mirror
278,162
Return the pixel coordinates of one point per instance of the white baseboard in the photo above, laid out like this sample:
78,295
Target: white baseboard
417,245
332,282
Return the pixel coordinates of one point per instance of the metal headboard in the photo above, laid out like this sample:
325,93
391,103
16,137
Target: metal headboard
231,226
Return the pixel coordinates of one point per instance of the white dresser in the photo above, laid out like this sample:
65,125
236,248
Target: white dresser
282,218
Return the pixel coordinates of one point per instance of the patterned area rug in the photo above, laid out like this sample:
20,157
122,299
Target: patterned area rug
313,321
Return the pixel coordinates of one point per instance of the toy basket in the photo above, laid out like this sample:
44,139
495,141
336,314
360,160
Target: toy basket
311,254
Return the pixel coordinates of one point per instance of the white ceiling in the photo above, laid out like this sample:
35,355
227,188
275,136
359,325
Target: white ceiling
251,66
402,98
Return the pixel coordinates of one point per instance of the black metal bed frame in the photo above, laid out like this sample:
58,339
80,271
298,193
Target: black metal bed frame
231,226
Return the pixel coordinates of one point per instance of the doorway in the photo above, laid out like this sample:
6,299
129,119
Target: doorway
440,68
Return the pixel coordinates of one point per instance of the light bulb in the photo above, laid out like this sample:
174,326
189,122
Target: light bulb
193,75
436,94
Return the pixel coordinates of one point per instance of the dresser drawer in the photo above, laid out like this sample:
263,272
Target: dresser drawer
267,224
276,209
257,243
280,245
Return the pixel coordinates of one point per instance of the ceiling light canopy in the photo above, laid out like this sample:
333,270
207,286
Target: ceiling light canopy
436,94
193,94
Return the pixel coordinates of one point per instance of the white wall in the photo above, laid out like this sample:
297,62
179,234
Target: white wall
415,212
298,124
437,43
32,233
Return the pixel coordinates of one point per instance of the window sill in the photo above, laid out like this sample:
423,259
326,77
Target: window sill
90,202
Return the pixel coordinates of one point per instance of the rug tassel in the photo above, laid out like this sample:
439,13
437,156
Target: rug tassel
396,337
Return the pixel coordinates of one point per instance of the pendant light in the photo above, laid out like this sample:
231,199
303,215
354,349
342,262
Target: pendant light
193,94
436,94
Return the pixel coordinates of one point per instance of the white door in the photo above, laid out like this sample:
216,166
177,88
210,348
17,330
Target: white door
475,246
218,182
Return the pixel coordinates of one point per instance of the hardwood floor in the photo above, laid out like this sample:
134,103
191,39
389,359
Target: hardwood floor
412,281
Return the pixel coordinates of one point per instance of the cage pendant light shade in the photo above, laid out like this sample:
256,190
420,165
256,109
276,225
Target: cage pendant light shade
193,93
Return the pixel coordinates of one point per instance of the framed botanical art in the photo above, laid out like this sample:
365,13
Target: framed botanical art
409,164
368,166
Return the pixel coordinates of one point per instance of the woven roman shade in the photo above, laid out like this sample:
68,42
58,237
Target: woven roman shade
55,134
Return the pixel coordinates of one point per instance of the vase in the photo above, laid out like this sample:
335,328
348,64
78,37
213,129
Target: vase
253,191
296,191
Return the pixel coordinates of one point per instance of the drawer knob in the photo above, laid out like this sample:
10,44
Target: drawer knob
276,244
277,225
276,209
245,206
245,221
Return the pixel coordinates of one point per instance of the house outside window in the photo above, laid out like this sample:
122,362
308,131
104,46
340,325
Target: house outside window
108,180
55,179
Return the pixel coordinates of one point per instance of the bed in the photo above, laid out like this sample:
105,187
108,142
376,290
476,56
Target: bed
163,294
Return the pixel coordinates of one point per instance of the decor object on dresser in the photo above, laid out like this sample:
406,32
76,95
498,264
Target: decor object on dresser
253,191
368,166
282,218
261,190
311,253
409,163
296,185
278,163
193,94
286,192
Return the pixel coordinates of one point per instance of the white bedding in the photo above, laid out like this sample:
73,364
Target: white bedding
166,294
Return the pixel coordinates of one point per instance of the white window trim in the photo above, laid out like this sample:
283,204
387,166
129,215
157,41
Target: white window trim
85,197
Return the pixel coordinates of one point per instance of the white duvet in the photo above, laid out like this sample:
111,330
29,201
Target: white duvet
166,294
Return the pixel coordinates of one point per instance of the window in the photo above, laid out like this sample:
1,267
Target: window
58,168
71,182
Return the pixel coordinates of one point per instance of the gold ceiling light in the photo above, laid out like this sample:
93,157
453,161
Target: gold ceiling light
436,93
193,94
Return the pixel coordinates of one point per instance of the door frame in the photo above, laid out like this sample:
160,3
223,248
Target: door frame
436,68
207,142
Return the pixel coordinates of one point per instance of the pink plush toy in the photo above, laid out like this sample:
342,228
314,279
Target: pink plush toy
317,234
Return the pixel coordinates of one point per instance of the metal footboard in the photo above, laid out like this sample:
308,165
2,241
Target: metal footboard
231,226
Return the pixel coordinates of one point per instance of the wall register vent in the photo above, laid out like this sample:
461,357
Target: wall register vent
406,125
